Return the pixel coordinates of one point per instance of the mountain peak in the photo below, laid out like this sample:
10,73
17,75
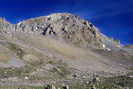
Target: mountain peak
53,17
65,26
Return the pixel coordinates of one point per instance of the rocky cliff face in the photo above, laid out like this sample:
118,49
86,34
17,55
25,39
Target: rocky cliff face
63,26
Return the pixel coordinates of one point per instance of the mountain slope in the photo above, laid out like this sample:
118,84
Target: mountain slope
58,46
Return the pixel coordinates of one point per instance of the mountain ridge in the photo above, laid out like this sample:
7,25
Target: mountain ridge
41,24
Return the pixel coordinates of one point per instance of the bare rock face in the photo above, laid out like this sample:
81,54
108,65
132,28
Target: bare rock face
62,26
66,27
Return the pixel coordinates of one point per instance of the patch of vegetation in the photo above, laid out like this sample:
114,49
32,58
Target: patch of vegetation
50,62
119,82
9,72
21,87
123,81
16,72
60,69
17,49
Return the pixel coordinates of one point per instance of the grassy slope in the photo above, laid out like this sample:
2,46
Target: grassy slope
39,51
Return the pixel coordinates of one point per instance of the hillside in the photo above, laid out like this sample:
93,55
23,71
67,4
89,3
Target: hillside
58,46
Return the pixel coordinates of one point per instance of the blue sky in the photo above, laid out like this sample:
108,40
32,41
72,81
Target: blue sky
113,17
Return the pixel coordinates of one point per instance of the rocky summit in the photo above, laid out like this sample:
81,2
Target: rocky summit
59,47
65,26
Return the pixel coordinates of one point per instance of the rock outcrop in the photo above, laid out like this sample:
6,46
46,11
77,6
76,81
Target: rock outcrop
63,26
